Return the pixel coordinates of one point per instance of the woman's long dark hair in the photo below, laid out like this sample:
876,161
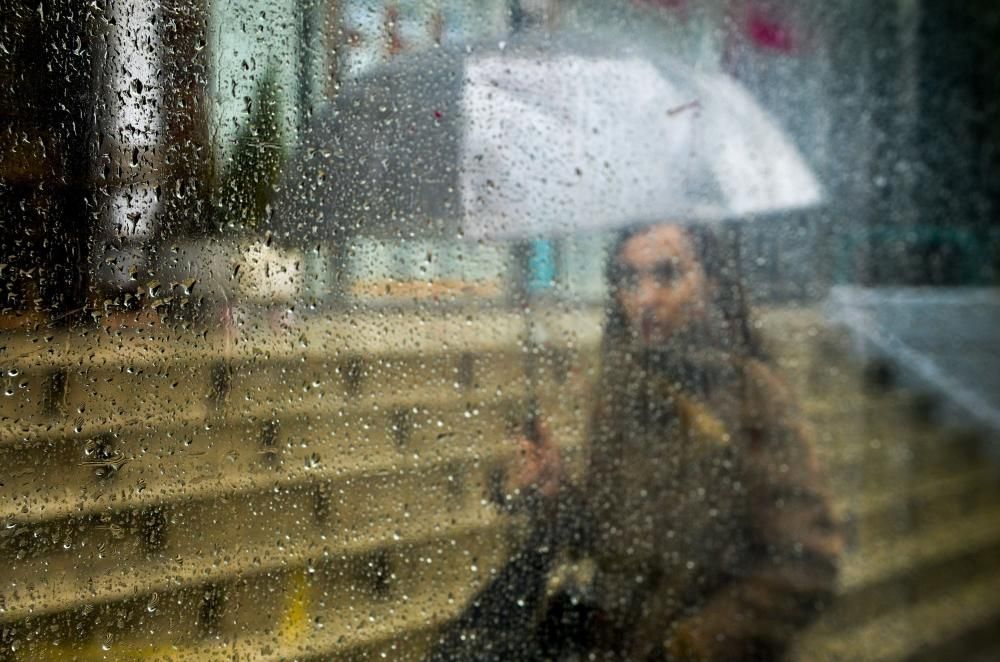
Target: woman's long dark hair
717,249
628,372
629,399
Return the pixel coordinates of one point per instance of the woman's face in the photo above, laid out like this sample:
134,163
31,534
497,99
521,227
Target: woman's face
663,287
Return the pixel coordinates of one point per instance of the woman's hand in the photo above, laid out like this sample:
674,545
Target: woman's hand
537,464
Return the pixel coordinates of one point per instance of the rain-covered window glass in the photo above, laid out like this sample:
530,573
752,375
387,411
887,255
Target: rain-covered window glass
499,330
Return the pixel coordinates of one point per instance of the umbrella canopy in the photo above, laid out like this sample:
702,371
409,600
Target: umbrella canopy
530,140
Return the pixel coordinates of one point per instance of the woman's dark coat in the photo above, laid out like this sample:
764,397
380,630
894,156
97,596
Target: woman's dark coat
703,513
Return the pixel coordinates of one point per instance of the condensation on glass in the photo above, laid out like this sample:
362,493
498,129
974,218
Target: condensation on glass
499,330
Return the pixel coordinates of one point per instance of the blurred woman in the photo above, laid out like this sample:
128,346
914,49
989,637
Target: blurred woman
702,511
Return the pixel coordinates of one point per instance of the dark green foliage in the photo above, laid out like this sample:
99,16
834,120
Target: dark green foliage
246,186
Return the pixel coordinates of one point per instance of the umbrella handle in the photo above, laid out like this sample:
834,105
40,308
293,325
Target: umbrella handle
532,426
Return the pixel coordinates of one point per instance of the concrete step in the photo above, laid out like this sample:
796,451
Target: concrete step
387,601
895,557
52,569
229,455
912,629
897,510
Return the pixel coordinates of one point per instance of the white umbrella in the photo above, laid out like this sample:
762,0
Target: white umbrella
531,141
561,143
